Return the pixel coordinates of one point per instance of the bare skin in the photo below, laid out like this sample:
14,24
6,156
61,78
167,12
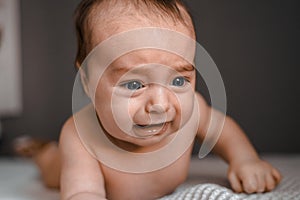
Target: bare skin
247,173
84,177
106,183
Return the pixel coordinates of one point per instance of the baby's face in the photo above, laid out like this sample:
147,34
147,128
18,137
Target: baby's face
145,96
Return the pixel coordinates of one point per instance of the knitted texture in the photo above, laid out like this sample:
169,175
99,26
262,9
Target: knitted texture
288,189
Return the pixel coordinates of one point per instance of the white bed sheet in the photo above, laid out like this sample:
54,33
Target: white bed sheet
20,180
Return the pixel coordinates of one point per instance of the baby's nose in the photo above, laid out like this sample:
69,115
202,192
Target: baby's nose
158,99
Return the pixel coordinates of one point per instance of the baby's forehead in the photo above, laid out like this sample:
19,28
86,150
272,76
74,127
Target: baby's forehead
108,19
143,63
100,33
150,57
139,47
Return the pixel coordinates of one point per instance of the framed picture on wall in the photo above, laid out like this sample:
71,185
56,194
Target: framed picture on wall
10,58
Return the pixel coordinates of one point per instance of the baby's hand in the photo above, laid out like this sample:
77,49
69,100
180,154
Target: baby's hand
253,176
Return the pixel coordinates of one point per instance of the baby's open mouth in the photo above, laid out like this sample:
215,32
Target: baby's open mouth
150,125
150,129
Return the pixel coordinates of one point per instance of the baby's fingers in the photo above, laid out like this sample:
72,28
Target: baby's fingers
276,174
235,182
261,183
250,183
270,182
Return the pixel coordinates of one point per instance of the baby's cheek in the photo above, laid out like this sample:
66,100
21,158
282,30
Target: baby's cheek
185,105
122,109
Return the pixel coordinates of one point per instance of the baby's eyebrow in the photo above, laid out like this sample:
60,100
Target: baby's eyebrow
118,69
178,68
182,68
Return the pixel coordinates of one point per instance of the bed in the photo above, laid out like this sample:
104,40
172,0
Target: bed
19,180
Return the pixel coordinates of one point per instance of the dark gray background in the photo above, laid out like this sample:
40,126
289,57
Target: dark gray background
255,44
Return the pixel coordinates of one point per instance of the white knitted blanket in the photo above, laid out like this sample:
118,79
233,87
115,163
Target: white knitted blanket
288,189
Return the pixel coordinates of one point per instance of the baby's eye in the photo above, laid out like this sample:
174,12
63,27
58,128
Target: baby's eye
179,81
133,85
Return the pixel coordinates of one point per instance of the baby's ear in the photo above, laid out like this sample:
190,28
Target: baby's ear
84,81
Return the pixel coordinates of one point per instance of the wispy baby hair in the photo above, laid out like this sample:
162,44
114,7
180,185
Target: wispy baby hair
85,15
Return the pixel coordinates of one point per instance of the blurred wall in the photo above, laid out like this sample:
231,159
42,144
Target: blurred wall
254,44
48,51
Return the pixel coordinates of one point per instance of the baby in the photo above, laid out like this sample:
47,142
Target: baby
152,90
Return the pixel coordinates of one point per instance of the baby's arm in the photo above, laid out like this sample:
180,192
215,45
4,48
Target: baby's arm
247,172
81,176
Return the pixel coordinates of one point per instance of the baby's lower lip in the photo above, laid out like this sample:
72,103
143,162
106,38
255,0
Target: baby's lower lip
150,130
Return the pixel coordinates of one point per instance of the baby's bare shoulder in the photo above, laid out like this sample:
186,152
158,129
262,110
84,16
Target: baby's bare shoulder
69,129
68,137
69,126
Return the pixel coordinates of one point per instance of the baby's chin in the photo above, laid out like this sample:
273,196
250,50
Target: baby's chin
143,144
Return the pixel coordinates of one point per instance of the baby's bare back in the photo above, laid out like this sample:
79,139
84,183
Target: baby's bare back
152,185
